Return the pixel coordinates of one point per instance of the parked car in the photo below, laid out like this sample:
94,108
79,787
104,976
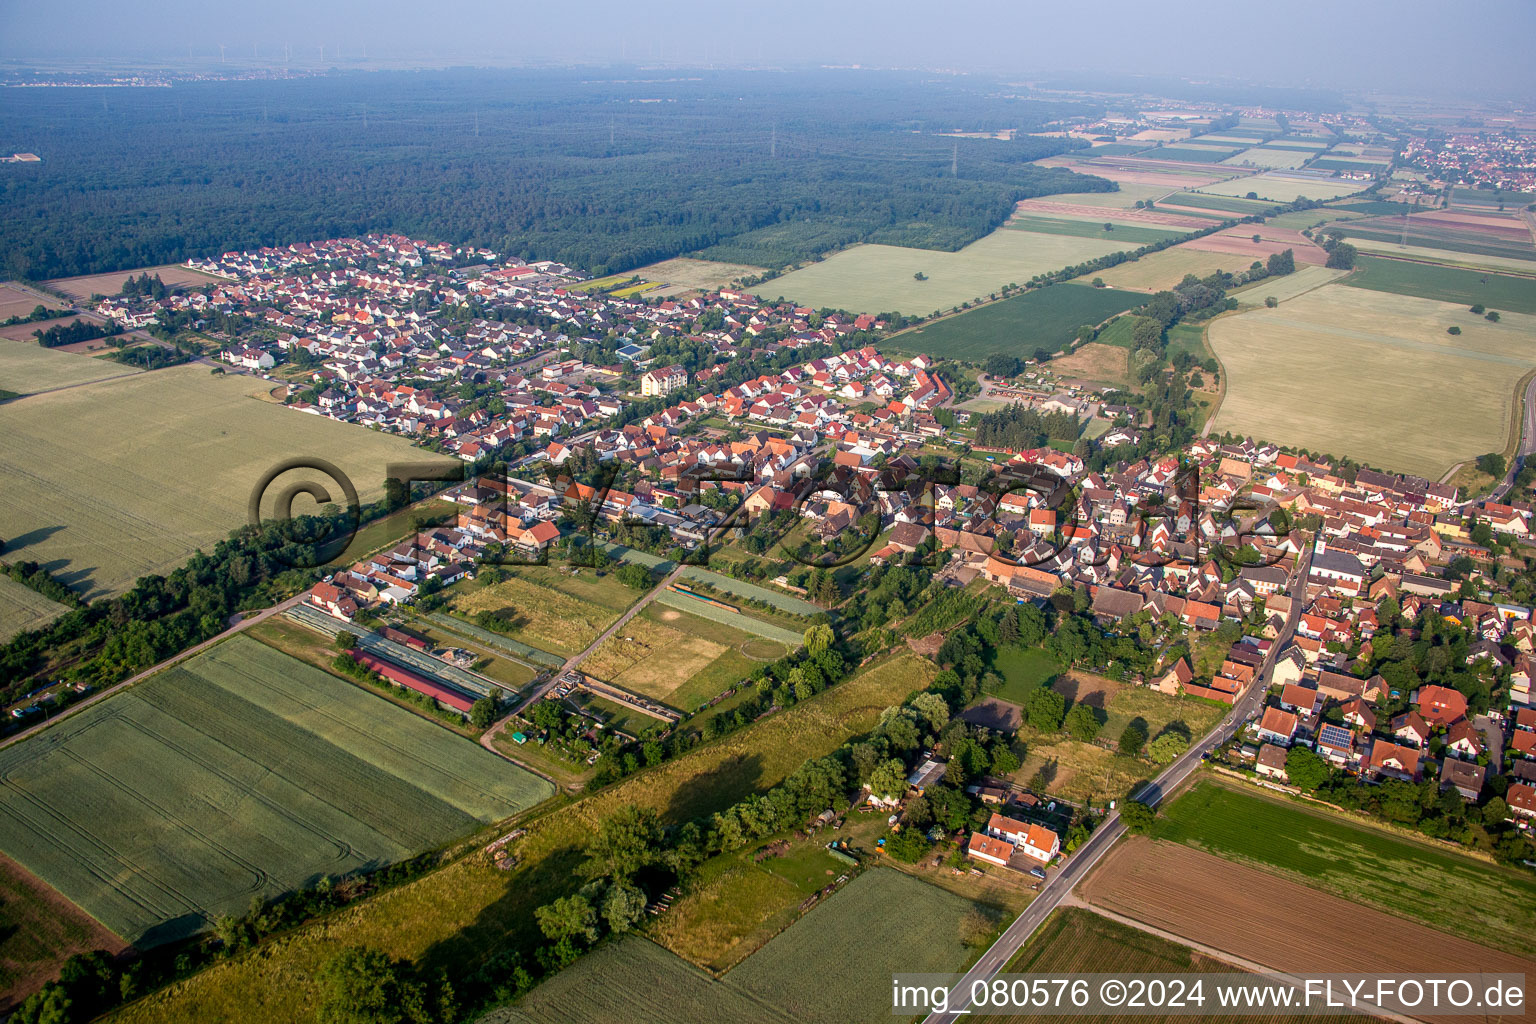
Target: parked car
1037,872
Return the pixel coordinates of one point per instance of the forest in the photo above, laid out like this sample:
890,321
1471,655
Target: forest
603,173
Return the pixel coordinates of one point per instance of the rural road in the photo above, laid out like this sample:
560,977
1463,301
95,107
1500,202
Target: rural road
571,664
1526,446
1061,884
250,620
74,307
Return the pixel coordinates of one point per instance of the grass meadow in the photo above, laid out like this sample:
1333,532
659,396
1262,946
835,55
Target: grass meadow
1373,375
880,278
153,466
1044,318
456,917
548,610
240,773
1326,851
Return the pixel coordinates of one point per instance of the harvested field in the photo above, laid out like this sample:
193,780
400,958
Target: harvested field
155,466
1449,257
242,772
1268,157
1439,886
1445,284
1283,188
685,275
15,302
541,616
1165,269
1239,242
27,368
651,658
172,274
1415,400
1045,318
1272,921
39,930
880,278
1093,361
22,608
459,916
1104,230
23,332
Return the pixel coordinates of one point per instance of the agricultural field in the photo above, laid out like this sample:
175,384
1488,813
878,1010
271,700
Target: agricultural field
1304,279
921,928
1239,241
240,773
541,616
154,466
1440,254
1078,941
741,588
1044,318
1416,399
172,274
1108,364
23,332
15,302
880,278
458,916
687,275
1165,269
1222,204
1417,879
1188,153
1445,284
1269,157
22,608
1284,188
1090,229
27,368
1272,920
747,621
39,930
1128,195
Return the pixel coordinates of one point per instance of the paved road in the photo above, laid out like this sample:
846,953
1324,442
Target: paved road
250,620
571,664
1066,878
1526,447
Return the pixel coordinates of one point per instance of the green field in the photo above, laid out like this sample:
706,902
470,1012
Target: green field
1188,154
1093,229
456,917
881,278
1418,880
1271,157
1445,284
22,608
1225,204
27,368
1044,318
1440,253
156,465
741,588
1451,240
919,927
1125,197
1415,399
1023,671
241,773
1188,338
744,621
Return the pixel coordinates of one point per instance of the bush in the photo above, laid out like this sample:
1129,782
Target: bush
907,846
1137,817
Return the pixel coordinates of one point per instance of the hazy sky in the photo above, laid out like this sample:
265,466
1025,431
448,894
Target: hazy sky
1389,45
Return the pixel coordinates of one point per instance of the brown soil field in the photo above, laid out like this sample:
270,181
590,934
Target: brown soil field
1084,688
39,930
1468,224
1240,243
172,274
23,332
1142,175
1272,921
992,713
14,302
1155,218
1094,362
1500,222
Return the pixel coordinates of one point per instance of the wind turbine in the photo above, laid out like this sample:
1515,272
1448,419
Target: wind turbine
221,53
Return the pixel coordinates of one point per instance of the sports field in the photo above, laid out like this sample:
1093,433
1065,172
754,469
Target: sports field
1446,284
793,978
879,278
242,772
123,478
1045,318
1441,888
1167,268
456,917
22,608
1373,375
27,368
1283,188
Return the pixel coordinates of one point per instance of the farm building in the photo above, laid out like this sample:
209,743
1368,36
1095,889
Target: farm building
401,676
